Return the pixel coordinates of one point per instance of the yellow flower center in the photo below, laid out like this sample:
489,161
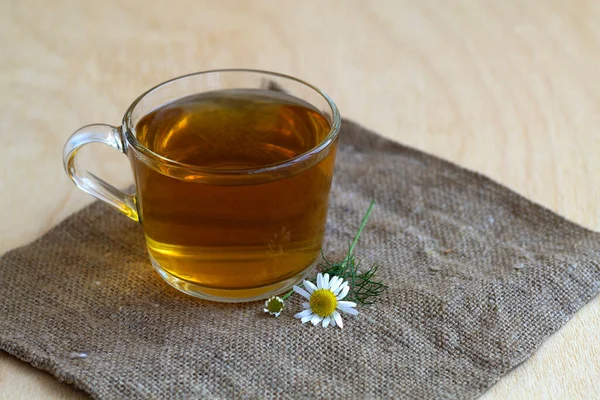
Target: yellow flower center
323,302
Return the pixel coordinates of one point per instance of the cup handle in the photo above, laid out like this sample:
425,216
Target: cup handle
87,181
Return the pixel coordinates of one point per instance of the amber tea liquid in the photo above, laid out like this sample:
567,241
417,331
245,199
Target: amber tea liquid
234,235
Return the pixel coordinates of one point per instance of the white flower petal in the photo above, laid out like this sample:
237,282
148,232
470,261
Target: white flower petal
332,321
326,281
347,309
267,303
277,314
326,321
306,304
344,292
340,288
335,283
316,319
265,310
307,318
347,303
338,319
303,314
319,280
310,287
301,292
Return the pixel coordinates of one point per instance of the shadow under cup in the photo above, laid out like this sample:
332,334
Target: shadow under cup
228,235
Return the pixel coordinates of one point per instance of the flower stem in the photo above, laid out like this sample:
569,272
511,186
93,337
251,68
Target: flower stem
287,295
362,226
343,266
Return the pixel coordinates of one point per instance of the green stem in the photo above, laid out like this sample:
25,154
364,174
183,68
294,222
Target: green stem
350,250
287,295
362,226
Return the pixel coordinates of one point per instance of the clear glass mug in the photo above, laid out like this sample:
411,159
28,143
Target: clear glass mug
277,213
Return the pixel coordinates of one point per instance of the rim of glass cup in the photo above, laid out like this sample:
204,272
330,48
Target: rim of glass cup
151,156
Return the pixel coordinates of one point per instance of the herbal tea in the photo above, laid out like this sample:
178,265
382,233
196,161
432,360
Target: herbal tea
234,235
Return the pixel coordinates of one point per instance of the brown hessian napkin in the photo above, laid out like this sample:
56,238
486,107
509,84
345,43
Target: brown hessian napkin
477,278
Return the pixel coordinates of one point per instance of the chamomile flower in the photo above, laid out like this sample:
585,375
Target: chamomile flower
274,306
325,301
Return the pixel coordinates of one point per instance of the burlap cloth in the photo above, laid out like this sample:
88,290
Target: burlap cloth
478,277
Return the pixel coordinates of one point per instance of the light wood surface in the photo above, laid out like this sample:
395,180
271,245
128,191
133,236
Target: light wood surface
507,88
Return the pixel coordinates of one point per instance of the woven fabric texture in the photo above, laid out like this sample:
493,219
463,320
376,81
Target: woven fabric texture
477,278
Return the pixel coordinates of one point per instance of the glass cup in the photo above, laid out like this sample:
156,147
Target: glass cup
253,232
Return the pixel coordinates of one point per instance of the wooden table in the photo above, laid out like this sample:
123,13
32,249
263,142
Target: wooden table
507,88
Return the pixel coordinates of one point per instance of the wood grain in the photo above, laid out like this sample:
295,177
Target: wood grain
507,88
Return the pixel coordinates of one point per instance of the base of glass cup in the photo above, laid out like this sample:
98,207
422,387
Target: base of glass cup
230,295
